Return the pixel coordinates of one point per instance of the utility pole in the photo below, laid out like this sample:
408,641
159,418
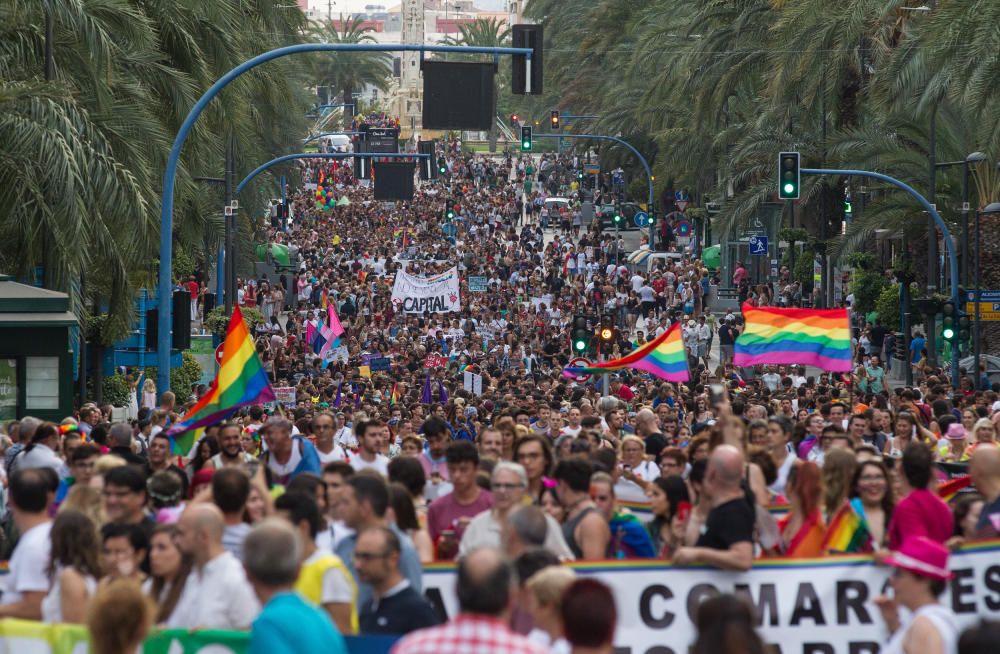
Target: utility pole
932,236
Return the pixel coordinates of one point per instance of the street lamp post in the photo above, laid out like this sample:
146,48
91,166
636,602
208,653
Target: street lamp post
977,339
966,164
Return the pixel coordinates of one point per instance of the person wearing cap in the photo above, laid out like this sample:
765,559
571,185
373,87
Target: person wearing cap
919,578
951,448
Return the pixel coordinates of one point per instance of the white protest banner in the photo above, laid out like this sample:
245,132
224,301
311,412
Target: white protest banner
804,606
285,395
436,294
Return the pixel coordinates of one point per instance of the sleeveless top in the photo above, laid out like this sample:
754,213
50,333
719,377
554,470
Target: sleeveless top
310,583
52,603
569,528
944,622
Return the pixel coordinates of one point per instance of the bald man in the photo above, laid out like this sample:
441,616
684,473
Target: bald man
984,468
216,594
726,541
647,427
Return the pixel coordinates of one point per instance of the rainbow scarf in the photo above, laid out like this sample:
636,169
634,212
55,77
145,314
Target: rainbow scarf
808,337
241,381
664,356
848,530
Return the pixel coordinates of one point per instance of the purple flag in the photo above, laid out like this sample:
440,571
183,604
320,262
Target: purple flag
442,393
336,401
425,396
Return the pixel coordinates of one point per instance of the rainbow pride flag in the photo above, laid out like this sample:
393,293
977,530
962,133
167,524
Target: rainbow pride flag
848,530
241,381
664,356
394,396
949,489
807,337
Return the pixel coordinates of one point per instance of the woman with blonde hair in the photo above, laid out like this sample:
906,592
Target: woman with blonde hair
149,393
88,501
984,431
545,592
636,473
119,618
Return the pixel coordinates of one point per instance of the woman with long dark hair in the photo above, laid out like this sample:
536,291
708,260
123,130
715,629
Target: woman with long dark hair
726,624
169,570
671,504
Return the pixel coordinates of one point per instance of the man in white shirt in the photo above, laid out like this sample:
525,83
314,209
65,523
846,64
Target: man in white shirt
771,379
326,446
216,594
370,435
40,452
31,492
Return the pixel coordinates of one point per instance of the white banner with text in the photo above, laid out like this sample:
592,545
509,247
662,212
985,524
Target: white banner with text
804,606
436,294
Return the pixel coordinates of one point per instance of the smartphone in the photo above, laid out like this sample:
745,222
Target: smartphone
716,394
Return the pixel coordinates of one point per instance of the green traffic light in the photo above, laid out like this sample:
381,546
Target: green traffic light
948,333
789,188
580,346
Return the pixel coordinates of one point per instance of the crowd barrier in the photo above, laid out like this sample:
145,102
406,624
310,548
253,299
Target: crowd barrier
807,606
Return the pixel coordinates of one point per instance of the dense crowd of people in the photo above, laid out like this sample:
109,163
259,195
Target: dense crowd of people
319,515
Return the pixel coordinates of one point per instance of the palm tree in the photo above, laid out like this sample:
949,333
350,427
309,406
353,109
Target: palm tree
348,71
484,33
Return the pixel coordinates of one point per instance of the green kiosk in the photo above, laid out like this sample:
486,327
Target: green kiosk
36,358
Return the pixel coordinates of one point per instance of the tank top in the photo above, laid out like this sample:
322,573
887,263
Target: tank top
944,622
569,528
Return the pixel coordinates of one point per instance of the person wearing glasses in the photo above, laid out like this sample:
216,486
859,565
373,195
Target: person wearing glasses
509,483
395,608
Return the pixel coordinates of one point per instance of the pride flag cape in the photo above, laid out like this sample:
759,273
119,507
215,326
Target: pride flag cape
241,381
808,337
664,356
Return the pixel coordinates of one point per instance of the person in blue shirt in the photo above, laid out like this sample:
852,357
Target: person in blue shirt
917,343
288,624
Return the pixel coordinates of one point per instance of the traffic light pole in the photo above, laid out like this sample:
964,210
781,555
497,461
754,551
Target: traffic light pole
165,285
642,160
935,216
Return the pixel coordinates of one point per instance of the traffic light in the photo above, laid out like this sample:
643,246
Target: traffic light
555,120
442,168
848,209
515,120
525,138
606,333
949,321
618,218
449,209
581,337
788,175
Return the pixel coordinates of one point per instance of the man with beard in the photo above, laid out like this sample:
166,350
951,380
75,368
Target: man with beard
230,448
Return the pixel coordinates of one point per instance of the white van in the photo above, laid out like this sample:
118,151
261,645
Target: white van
338,143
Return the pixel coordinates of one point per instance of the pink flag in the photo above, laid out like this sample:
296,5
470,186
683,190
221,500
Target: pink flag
331,332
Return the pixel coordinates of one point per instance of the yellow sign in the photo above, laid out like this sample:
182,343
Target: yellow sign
988,311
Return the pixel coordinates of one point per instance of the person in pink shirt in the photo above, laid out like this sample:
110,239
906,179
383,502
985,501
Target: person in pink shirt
739,274
921,512
452,512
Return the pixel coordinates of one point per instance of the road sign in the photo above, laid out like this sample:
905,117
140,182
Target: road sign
681,199
758,245
642,219
580,362
682,228
477,284
218,353
591,168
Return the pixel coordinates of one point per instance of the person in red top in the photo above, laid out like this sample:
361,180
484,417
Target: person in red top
921,512
485,599
456,509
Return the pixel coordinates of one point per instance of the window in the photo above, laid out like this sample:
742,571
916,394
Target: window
41,380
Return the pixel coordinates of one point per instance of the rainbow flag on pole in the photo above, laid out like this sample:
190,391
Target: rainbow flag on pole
241,381
848,530
806,337
664,356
